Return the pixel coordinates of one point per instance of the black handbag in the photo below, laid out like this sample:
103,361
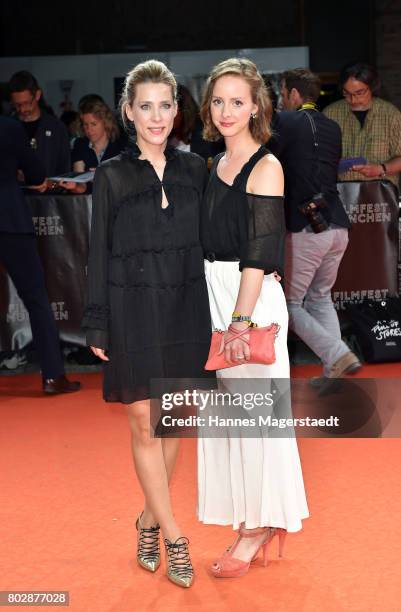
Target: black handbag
377,328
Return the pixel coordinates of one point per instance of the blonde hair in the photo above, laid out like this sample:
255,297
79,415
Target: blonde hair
244,68
151,71
101,111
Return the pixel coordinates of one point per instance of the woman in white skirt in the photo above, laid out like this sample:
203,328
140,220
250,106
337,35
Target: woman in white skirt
254,484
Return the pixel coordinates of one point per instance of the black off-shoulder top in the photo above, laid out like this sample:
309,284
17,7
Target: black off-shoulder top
237,225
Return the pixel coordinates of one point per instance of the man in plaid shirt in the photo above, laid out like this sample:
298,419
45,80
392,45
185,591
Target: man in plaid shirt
371,127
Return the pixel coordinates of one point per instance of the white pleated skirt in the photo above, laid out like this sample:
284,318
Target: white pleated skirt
257,481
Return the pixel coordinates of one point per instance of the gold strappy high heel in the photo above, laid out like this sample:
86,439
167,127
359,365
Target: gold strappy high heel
148,549
179,566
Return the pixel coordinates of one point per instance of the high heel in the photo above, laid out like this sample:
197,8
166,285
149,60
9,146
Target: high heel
273,531
281,539
148,547
179,566
230,567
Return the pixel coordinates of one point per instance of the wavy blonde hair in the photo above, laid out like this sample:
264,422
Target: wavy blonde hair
247,70
151,71
103,112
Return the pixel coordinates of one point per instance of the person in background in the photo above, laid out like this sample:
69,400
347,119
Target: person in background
185,120
93,97
46,134
19,254
370,126
89,99
188,127
101,142
71,120
308,145
101,139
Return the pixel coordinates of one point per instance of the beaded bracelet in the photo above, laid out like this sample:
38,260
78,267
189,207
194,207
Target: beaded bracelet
249,323
237,317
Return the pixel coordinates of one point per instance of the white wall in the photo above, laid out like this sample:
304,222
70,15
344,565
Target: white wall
95,73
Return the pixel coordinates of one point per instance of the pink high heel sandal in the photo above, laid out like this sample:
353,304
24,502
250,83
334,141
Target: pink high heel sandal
230,567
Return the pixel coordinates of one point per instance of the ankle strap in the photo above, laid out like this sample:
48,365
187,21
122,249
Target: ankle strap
252,532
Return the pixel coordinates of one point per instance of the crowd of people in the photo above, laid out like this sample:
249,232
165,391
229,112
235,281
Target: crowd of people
175,250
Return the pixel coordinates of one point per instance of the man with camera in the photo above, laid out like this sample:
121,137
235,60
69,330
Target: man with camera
308,144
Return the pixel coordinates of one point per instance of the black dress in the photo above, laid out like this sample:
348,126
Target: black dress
147,302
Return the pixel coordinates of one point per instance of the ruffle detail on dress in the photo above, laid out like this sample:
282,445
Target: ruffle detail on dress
133,151
135,252
188,282
131,197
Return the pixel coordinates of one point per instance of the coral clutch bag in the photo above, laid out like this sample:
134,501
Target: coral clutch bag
261,345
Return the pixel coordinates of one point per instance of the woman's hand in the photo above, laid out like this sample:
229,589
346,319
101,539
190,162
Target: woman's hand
41,188
73,187
236,351
99,353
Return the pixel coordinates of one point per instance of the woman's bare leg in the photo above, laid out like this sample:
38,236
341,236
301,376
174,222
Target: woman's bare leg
154,463
170,448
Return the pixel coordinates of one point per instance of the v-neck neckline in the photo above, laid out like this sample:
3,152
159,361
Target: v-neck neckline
238,173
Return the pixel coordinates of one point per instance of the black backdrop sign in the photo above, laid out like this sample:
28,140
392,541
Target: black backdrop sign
369,268
62,227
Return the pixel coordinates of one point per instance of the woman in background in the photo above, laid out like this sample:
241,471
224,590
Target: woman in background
187,131
185,121
100,142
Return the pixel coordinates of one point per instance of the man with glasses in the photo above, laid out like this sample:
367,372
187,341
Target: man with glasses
371,127
46,134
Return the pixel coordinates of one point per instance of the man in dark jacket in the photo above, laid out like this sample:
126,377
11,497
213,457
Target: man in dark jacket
19,254
46,134
308,144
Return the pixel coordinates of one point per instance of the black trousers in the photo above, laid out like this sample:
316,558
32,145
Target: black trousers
20,257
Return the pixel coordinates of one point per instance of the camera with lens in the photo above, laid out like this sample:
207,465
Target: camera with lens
311,210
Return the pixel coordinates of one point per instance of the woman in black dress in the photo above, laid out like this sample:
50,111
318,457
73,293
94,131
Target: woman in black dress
148,314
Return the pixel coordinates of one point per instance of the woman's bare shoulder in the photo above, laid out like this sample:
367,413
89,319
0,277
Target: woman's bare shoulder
267,177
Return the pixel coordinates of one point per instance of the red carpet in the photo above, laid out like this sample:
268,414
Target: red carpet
70,497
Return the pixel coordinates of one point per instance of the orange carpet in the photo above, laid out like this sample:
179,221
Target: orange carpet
69,498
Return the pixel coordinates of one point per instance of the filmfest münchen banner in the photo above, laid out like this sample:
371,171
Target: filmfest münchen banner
62,225
369,268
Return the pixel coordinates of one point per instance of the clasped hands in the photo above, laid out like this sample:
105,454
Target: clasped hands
236,350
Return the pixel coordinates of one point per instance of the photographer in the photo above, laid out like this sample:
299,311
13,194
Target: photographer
308,144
